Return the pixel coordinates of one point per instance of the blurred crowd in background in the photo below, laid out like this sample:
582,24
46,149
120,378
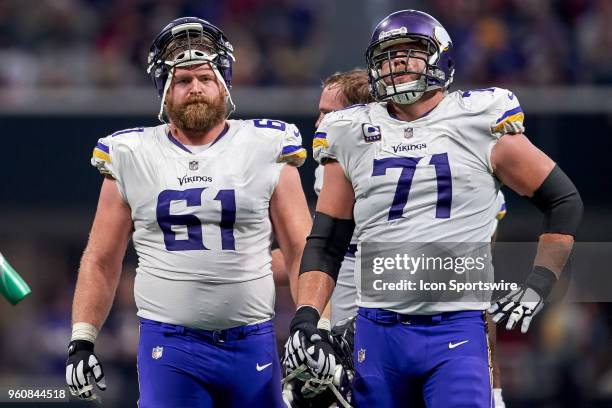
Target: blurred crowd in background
287,42
565,361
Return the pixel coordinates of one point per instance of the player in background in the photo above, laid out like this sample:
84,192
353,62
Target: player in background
199,196
462,143
340,90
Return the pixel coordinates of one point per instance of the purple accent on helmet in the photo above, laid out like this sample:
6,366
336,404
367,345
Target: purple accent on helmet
413,24
159,70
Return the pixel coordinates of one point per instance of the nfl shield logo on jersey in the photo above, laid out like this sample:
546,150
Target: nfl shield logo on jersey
408,133
157,352
371,133
193,165
361,355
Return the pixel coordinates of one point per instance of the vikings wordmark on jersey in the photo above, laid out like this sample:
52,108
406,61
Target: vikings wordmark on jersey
202,229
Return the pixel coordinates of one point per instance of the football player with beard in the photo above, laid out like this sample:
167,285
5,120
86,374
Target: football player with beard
199,196
423,164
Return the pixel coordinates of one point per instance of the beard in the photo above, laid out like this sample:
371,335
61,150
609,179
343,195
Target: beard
197,114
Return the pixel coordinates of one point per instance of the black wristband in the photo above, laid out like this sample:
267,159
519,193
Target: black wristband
305,315
79,345
541,280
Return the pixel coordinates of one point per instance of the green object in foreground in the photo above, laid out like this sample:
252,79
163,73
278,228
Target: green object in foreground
12,286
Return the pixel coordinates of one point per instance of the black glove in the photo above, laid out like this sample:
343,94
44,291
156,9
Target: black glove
309,354
81,366
526,301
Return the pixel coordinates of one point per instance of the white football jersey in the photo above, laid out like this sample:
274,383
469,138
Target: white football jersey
429,180
202,229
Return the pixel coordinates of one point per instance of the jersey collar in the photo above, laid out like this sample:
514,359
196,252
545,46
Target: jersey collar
184,148
391,115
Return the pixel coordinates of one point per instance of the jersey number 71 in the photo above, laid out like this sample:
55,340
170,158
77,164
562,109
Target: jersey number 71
408,166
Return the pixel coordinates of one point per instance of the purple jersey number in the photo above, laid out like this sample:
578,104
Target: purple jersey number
193,198
408,166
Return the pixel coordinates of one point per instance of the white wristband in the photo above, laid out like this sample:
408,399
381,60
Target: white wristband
324,324
497,396
84,331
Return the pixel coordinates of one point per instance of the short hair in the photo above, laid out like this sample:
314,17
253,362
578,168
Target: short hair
353,85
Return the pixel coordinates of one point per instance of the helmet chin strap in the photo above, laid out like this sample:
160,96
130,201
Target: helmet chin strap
195,61
160,115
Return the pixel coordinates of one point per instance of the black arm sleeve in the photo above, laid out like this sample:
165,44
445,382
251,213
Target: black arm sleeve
560,202
327,244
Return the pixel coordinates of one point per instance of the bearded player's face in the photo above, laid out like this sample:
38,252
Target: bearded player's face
196,101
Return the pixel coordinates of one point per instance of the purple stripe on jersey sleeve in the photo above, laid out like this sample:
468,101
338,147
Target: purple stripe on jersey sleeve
290,149
102,147
509,113
320,135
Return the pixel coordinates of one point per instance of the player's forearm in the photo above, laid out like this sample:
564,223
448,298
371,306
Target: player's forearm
279,270
293,256
553,251
560,202
95,291
315,289
327,311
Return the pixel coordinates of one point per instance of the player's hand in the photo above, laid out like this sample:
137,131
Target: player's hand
308,351
82,369
523,303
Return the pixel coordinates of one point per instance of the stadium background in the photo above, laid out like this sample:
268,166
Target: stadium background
72,71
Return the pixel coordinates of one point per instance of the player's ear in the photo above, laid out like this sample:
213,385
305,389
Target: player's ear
223,89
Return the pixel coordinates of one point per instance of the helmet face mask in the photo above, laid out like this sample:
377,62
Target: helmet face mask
406,27
388,76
